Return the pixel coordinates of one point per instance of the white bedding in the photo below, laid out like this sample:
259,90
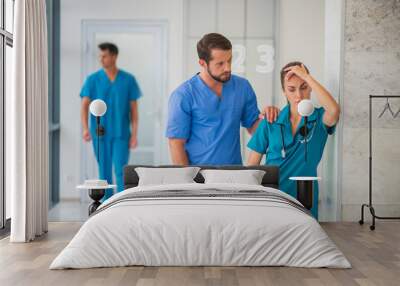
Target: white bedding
200,231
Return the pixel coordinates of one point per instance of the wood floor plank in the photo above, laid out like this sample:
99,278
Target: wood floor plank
375,258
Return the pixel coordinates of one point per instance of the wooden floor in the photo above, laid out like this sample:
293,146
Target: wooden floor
375,257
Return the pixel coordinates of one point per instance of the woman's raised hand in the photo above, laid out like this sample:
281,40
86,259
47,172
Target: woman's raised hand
299,71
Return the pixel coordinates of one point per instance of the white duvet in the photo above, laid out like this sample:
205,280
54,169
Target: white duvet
200,231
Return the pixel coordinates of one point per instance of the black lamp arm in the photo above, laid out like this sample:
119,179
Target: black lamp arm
305,137
100,131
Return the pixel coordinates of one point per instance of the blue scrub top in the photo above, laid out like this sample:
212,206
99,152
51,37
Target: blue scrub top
268,140
117,95
211,124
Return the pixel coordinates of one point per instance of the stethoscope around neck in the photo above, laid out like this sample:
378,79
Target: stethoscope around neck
305,109
304,132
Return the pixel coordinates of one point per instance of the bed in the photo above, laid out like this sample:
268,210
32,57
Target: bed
197,224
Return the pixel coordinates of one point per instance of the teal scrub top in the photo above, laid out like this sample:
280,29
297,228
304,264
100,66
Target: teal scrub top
117,95
270,137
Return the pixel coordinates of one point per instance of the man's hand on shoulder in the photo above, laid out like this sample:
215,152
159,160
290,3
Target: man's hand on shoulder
271,113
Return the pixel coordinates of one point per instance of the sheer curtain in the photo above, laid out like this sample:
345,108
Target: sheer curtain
28,123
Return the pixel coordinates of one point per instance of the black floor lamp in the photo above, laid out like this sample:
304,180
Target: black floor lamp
305,108
98,108
305,184
96,188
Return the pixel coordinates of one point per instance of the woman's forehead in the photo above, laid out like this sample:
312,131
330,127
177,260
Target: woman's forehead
294,80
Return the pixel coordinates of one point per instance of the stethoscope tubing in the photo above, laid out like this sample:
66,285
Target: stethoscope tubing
308,132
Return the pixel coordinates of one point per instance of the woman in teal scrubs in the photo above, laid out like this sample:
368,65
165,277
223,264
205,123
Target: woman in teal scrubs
282,141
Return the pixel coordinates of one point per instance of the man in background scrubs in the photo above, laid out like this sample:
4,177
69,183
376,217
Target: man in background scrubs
206,111
120,91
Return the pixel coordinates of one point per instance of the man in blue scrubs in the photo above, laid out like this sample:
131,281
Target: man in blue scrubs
120,91
206,111
283,141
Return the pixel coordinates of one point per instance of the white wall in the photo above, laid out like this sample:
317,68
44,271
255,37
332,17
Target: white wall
8,83
330,166
301,38
371,66
72,14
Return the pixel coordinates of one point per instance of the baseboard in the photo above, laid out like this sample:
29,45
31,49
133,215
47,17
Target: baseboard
5,231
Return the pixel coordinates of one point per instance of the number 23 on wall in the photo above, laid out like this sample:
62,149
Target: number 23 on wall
265,63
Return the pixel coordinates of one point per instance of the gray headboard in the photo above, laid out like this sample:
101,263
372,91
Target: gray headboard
270,179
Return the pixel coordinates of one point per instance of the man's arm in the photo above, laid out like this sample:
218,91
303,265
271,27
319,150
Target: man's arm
84,118
134,124
270,113
254,158
253,128
177,150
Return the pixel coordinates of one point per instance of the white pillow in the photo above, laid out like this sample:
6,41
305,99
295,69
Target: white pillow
249,177
166,176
